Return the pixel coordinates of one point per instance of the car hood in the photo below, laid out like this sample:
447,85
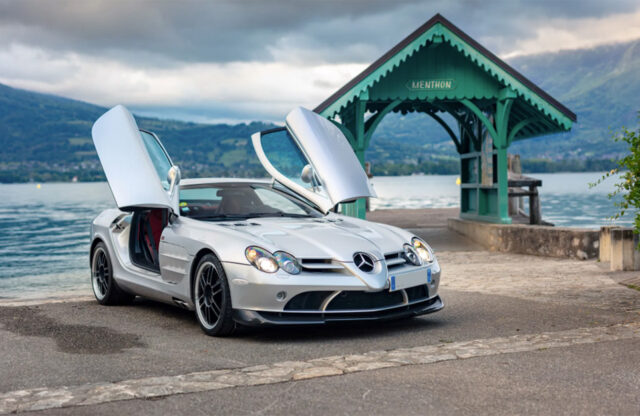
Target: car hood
334,236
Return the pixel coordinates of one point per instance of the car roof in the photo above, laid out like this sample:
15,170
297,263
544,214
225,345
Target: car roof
212,181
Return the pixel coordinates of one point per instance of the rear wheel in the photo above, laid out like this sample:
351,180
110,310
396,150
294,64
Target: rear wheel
212,298
104,286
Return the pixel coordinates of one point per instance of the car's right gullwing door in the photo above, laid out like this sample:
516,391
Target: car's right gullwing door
313,158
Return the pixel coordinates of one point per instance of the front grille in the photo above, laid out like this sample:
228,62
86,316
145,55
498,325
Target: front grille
395,259
364,262
356,299
307,301
417,292
320,265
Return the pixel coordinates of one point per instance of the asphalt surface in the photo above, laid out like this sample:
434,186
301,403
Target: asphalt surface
75,343
67,344
598,379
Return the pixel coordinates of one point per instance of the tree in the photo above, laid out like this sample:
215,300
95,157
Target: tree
629,177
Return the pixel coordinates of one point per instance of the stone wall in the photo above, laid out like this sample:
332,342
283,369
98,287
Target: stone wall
538,240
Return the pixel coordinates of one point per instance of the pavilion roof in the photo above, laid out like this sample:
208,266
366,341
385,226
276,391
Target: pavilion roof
534,101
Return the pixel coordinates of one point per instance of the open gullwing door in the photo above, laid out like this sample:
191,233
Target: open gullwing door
139,170
312,157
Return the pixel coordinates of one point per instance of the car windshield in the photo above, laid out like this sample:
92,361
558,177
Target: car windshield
238,201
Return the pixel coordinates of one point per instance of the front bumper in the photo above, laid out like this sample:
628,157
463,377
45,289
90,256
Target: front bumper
253,290
258,318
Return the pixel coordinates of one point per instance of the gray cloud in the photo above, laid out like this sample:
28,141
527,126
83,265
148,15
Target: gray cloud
256,59
185,31
163,32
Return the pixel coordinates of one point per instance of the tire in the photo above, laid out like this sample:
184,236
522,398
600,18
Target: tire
103,284
212,298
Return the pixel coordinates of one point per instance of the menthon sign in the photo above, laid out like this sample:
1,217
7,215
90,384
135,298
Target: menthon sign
431,84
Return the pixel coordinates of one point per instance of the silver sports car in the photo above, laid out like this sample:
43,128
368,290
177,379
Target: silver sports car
253,252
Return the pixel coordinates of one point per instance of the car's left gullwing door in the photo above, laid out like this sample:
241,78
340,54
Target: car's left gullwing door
139,170
313,158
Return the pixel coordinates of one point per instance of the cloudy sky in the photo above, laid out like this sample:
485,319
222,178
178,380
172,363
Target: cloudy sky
256,59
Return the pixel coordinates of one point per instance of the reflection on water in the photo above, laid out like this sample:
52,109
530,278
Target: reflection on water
44,232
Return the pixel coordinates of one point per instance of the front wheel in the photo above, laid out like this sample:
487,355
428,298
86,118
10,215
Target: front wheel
212,298
104,286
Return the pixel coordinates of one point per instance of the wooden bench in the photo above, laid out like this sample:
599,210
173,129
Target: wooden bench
517,185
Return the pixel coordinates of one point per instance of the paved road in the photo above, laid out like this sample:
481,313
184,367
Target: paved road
588,379
491,299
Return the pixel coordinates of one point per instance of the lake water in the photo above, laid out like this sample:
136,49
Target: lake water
566,199
44,232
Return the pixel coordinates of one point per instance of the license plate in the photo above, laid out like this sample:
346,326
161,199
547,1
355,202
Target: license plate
398,281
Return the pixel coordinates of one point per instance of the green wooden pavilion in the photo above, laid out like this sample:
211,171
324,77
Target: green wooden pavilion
439,69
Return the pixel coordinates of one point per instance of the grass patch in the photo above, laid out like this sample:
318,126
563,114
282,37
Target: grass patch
634,287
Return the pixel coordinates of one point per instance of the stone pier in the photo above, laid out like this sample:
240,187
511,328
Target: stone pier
624,254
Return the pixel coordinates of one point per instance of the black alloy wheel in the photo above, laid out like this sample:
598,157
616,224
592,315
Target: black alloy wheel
104,286
212,297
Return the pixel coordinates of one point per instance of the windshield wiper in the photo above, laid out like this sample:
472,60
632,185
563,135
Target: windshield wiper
229,217
276,214
221,217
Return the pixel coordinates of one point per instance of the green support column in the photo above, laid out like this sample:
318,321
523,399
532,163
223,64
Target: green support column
356,126
501,143
498,131
503,186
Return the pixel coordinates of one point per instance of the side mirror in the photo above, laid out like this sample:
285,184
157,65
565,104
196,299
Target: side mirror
173,177
307,174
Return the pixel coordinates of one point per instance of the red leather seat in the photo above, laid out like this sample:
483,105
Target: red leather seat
157,220
150,229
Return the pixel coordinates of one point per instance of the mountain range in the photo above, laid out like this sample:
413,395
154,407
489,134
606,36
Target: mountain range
45,137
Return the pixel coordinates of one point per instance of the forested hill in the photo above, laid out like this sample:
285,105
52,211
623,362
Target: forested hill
601,85
45,137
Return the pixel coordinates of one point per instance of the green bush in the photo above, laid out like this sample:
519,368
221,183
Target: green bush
628,169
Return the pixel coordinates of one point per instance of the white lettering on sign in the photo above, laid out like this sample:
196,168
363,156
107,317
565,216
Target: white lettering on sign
431,84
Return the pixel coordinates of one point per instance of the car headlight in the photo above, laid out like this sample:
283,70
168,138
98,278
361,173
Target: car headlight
266,262
287,262
412,255
261,259
424,251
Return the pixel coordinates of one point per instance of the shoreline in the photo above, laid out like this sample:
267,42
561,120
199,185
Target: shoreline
17,302
374,176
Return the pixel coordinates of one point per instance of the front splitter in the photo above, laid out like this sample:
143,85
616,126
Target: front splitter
261,318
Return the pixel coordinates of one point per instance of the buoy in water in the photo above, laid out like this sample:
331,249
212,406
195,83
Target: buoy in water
38,186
